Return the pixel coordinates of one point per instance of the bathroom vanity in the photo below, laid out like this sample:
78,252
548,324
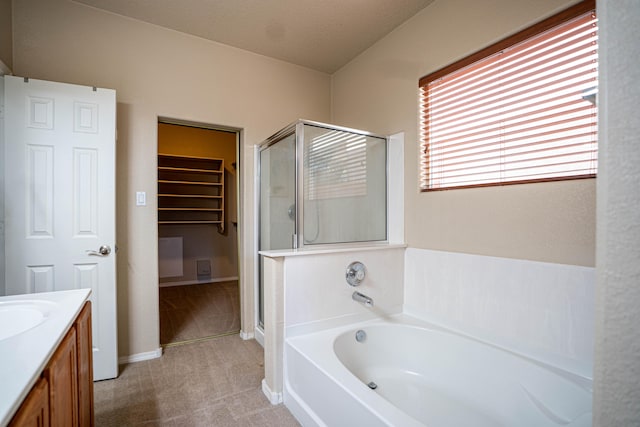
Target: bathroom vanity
46,370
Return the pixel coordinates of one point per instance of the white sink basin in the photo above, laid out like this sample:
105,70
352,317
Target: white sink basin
31,325
18,316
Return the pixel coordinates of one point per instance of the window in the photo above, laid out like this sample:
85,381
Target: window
521,110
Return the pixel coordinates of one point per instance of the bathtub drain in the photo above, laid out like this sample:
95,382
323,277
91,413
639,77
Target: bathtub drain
372,385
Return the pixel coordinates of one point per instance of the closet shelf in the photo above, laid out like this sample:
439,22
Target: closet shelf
190,190
190,209
164,181
187,170
195,196
190,222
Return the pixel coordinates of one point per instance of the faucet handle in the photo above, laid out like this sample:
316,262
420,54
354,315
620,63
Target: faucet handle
356,273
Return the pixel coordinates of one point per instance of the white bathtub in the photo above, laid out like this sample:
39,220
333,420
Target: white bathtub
425,376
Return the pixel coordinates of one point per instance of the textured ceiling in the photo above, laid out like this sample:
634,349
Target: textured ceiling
320,34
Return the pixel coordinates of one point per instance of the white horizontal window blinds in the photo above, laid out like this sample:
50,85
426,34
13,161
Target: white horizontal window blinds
336,166
522,114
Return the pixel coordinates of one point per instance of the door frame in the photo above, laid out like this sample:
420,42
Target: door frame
246,294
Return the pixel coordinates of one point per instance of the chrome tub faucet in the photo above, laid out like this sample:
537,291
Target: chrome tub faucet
362,298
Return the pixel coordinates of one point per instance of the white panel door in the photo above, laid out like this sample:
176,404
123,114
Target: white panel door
60,199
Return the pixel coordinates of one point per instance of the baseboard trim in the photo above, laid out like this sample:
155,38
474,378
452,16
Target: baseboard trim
246,335
4,69
139,357
274,398
259,336
197,282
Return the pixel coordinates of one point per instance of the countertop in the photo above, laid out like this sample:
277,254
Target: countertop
24,356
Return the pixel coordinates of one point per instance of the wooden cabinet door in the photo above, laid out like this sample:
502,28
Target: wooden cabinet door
34,411
62,374
63,396
85,366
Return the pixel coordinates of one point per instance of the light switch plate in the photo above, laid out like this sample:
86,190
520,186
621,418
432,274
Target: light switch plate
141,198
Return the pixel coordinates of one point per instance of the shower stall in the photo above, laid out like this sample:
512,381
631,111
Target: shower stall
320,185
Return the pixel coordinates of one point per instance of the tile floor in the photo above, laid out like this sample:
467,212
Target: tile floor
210,383
196,311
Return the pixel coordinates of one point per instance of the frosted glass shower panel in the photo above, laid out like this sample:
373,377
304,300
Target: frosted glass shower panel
344,188
278,194
277,203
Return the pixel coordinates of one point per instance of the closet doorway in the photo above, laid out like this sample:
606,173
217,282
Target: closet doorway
197,231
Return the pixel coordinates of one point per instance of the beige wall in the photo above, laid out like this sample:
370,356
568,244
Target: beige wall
378,91
158,72
6,36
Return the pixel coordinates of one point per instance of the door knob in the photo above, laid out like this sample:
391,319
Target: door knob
104,250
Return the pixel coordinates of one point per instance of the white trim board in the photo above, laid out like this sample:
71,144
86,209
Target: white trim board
4,69
258,335
139,357
274,398
246,336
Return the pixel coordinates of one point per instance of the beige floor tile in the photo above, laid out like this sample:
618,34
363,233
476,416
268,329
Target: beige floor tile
210,383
